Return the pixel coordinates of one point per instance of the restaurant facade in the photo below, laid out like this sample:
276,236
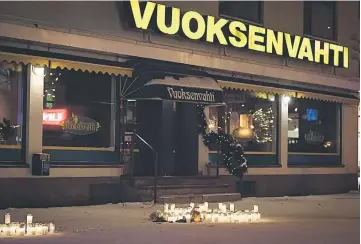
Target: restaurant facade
102,86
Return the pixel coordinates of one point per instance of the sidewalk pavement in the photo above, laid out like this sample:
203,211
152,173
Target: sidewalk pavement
311,219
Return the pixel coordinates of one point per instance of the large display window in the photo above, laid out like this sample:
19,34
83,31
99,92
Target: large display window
77,109
313,126
252,119
11,111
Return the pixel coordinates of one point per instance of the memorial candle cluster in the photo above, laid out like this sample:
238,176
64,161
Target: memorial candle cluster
27,228
202,213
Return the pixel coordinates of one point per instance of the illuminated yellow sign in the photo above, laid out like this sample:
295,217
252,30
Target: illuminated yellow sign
192,25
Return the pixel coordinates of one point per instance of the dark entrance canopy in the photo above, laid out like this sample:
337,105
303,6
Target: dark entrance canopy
181,89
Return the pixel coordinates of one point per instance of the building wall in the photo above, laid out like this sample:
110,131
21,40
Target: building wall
107,19
75,22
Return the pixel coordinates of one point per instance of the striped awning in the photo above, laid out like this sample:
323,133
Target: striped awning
96,68
328,98
12,61
350,99
255,88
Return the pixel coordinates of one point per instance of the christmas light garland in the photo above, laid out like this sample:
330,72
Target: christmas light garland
232,153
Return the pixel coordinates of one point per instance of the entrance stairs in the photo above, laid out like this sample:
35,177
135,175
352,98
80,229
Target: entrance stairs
180,189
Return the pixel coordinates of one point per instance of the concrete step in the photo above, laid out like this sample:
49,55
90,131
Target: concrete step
186,180
200,198
186,189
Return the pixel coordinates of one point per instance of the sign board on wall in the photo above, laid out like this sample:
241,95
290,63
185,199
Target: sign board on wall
194,26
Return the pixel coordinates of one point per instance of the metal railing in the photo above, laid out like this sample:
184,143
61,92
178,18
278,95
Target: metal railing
155,181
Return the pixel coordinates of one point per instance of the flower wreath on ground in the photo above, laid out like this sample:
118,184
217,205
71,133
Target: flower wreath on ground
232,153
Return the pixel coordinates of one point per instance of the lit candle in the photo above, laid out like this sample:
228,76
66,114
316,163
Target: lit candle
231,207
30,229
38,229
12,230
166,207
6,230
220,205
21,230
51,228
29,219
255,208
45,229
191,205
172,207
188,218
205,206
7,218
208,217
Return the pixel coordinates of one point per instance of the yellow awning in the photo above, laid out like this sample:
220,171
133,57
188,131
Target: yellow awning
328,98
8,60
97,68
291,93
11,58
255,88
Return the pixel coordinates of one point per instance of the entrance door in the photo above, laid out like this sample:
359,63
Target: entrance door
186,139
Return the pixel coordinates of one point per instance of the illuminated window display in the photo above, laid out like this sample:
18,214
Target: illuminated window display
11,111
313,126
77,109
251,117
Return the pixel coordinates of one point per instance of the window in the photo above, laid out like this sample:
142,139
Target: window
251,117
247,10
320,19
212,118
10,104
77,109
313,126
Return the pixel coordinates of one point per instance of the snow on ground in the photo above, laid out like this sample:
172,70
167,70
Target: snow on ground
312,219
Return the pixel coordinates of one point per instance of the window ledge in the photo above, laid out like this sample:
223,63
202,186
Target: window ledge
212,166
315,166
245,21
13,165
320,38
86,165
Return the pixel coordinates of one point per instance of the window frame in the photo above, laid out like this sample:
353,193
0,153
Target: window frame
225,126
334,38
260,9
338,138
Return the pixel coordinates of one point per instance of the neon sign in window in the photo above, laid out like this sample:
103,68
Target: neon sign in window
54,116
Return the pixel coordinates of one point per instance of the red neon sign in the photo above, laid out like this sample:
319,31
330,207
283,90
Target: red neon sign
54,116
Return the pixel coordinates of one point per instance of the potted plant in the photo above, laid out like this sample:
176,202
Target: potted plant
7,131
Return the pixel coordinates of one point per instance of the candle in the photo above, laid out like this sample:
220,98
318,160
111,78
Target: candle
220,205
30,230
172,207
38,229
205,206
29,219
166,207
51,228
188,218
191,205
231,207
255,208
21,230
208,217
7,218
214,217
12,230
6,230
